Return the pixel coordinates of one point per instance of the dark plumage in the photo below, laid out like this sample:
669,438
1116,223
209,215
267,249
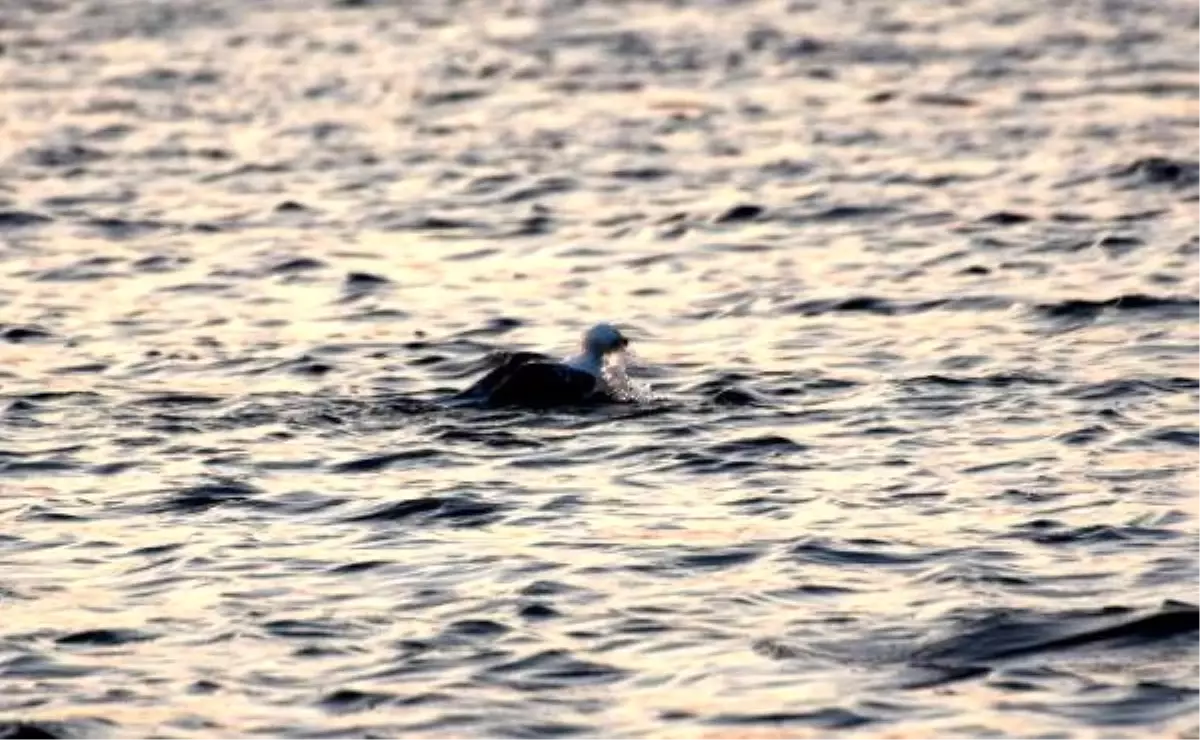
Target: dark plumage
527,379
534,380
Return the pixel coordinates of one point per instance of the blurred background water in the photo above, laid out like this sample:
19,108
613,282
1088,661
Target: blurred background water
913,290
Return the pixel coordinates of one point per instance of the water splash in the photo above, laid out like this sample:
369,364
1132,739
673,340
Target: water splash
618,382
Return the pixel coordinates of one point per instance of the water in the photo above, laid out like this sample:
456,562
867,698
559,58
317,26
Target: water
913,290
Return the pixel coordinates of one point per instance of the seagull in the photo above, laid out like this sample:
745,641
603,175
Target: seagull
532,379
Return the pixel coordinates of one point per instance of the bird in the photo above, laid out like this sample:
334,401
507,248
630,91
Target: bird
533,380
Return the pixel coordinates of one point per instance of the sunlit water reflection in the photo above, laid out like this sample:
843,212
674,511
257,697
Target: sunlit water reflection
913,289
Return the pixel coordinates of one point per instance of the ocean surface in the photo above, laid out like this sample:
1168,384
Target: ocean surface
913,292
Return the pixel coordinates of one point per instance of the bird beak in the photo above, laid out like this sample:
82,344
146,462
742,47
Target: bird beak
622,343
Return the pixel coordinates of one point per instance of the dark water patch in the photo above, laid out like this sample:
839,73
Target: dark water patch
932,676
33,729
494,327
537,611
474,254
165,79
859,551
542,588
122,228
1189,438
715,558
1144,703
375,463
11,730
647,173
494,438
65,399
641,626
291,206
736,397
1051,532
767,444
725,390
205,496
486,628
488,184
310,629
296,502
1084,435
377,314
69,155
533,730
449,97
1160,171
160,263
456,510
10,219
1149,215
1174,306
29,467
304,365
359,567
203,687
296,265
1116,244
773,649
35,667
173,152
704,464
178,400
809,385
358,285
105,637
248,169
541,189
991,380
1007,634
536,224
41,513
345,701
1006,218
383,411
741,248
551,669
845,213
1132,388
24,333
155,550
91,368
885,307
741,214
825,719
943,100
928,181
434,223
85,270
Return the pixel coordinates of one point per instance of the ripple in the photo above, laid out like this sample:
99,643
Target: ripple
203,496
461,511
104,637
914,303
549,669
20,219
1133,302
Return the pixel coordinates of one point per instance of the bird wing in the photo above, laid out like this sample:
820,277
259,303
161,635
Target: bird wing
484,387
539,383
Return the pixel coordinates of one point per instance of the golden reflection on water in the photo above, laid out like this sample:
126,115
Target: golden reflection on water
704,301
